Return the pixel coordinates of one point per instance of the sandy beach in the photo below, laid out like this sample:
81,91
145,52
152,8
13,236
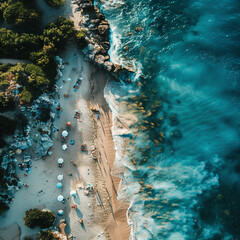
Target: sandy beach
104,217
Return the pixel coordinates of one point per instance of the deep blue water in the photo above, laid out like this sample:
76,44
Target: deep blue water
188,55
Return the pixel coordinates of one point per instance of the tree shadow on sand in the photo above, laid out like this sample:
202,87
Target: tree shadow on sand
77,200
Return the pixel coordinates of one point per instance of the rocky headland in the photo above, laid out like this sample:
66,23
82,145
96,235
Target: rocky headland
98,38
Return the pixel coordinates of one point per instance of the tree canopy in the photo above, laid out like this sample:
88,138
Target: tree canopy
38,218
17,14
23,81
55,3
15,45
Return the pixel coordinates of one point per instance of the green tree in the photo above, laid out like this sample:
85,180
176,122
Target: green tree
36,76
80,37
15,45
55,3
18,15
26,96
36,217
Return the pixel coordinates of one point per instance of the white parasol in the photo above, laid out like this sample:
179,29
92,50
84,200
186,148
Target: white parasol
60,177
64,133
60,161
60,198
64,147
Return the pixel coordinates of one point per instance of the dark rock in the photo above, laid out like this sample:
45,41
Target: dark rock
138,28
103,29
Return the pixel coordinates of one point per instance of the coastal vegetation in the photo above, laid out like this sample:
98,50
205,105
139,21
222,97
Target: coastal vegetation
38,218
41,49
81,40
18,45
20,13
55,3
20,83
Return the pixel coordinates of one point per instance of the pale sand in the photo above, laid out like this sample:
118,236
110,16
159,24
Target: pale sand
108,184
12,232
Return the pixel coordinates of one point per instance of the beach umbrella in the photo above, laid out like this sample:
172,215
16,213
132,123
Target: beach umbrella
73,193
60,161
59,185
18,151
60,212
64,133
60,198
64,146
60,177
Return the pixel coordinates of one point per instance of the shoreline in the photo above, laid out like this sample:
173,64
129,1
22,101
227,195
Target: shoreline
117,223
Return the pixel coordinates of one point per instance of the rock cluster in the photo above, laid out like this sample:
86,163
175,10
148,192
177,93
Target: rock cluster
35,138
9,182
97,35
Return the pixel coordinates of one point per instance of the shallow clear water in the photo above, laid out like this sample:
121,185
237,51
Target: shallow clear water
187,149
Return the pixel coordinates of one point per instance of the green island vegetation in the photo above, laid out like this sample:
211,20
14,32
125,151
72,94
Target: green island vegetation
41,50
38,218
20,83
55,3
80,37
20,13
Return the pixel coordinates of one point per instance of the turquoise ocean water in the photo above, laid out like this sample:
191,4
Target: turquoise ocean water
186,152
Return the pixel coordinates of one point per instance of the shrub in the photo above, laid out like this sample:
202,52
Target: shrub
37,218
55,3
40,58
3,207
25,96
57,34
80,37
15,45
36,76
18,15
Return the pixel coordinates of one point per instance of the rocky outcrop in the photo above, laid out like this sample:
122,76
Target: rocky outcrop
97,35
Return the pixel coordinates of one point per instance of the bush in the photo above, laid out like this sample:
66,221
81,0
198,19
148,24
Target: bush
57,34
18,15
80,37
3,207
37,218
36,76
15,45
40,58
25,96
55,3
